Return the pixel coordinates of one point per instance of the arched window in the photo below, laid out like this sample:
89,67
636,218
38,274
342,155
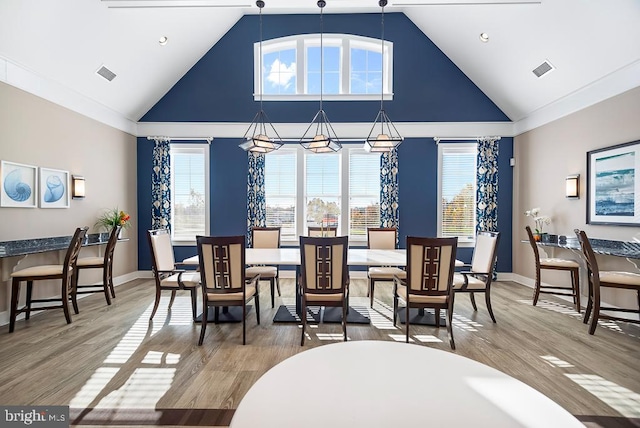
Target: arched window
353,68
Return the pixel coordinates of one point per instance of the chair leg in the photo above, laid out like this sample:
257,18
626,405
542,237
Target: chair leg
155,305
450,328
344,319
596,315
203,323
256,299
437,311
304,319
173,297
472,297
15,295
278,284
244,323
487,299
395,309
29,297
105,285
65,301
272,283
113,291
536,293
194,302
575,284
587,311
406,321
74,290
371,286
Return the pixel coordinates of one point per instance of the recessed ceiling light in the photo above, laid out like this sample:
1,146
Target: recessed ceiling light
163,40
484,37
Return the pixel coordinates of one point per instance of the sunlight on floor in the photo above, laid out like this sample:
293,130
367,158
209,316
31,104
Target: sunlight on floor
556,362
155,357
400,338
90,390
619,398
142,390
330,336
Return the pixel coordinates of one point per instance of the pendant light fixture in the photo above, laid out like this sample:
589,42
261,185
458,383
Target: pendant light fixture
324,140
383,136
256,138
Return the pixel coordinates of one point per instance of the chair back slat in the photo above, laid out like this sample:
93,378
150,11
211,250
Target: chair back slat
161,250
589,255
485,252
324,264
430,265
383,238
111,245
222,260
532,242
265,237
318,232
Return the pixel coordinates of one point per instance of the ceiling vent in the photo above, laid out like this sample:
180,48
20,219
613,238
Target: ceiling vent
543,69
106,73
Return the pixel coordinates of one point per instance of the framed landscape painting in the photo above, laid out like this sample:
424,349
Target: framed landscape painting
54,188
18,185
613,185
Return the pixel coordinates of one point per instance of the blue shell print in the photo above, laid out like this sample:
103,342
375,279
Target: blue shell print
55,189
16,189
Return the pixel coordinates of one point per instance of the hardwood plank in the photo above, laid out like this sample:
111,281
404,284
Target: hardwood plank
115,367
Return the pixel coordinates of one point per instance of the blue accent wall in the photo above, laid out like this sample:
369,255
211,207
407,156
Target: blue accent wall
428,87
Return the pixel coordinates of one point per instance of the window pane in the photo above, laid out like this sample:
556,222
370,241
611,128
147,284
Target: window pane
458,190
279,72
280,192
322,186
364,193
330,70
188,194
366,75
331,83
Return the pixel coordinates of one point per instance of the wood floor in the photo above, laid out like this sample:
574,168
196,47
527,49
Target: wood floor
114,367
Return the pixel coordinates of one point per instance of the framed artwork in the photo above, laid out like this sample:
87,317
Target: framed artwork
18,185
54,188
613,185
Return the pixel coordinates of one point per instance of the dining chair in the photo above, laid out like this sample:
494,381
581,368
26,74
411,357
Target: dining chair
63,272
166,273
382,238
224,280
317,231
266,237
605,279
429,283
480,275
105,263
324,276
558,264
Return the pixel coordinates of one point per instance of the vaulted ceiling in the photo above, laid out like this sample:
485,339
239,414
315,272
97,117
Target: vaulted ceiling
57,47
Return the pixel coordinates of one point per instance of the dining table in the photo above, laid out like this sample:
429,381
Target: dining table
290,256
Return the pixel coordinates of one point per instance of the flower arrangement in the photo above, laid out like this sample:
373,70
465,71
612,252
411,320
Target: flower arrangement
112,218
539,220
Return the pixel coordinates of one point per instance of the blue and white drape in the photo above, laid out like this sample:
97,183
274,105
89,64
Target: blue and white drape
256,204
487,194
161,186
389,199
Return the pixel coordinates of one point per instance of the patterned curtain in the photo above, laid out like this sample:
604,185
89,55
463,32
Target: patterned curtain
389,207
161,186
256,204
487,195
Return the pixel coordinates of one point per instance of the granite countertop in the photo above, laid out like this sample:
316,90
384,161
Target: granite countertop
40,245
600,246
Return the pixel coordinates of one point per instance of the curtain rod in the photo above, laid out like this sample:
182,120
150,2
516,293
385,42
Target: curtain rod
207,139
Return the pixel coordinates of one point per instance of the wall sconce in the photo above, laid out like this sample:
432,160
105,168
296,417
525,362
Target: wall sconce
573,186
78,189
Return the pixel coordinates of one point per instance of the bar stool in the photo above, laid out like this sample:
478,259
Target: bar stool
566,265
105,263
63,272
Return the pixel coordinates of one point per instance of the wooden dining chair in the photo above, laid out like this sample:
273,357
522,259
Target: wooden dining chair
104,263
382,238
168,275
566,265
324,276
605,279
63,272
480,275
223,278
429,284
317,231
266,237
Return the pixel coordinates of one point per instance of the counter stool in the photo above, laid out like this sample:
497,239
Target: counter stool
62,272
105,263
571,266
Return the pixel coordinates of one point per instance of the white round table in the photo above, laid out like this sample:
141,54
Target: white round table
391,384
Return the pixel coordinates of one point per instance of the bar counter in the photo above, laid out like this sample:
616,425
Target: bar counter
24,247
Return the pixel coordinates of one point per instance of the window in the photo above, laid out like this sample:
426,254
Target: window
330,181
352,68
189,191
457,191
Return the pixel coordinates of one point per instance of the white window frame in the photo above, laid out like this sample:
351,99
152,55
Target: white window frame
463,241
184,148
300,42
300,204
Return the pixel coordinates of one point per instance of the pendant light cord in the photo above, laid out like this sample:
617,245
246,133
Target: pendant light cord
321,56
